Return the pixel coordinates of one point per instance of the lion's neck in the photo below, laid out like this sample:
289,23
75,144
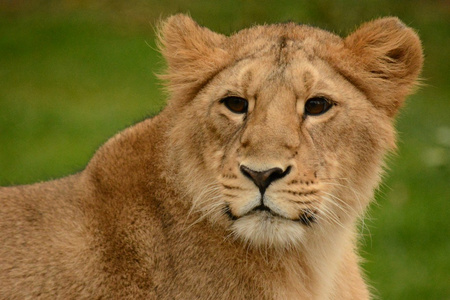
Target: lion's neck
308,272
311,271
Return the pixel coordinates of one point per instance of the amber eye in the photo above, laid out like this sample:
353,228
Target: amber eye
235,104
316,106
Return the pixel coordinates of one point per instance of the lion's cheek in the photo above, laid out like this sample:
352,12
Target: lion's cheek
212,156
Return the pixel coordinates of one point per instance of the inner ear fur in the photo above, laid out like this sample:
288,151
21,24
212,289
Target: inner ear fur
193,54
385,61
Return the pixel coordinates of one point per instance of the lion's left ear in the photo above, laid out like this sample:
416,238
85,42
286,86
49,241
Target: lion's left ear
388,57
193,54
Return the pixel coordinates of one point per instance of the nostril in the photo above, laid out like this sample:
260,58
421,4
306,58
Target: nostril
262,179
279,173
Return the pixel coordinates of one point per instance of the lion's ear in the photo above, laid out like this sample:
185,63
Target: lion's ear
193,54
388,57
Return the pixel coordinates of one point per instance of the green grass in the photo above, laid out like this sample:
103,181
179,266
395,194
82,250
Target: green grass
74,73
67,83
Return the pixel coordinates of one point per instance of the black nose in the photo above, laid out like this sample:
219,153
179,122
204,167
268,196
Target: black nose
263,179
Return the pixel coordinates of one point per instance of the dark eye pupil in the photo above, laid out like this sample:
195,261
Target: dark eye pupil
317,106
236,104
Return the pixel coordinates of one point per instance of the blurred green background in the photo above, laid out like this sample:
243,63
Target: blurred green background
74,72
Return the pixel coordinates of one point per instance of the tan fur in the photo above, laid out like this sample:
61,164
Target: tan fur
162,211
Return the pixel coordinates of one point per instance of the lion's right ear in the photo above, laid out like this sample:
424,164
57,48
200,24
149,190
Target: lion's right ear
193,54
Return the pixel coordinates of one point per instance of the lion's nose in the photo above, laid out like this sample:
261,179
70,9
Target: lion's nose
263,179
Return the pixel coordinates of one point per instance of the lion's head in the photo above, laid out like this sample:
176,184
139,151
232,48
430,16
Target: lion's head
280,131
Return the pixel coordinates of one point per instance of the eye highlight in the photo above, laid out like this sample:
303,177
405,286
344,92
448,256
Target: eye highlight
317,105
237,105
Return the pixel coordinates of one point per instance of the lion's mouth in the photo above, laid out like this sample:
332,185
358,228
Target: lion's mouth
307,217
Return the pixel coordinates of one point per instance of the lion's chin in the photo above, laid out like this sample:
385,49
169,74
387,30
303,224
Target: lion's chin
264,230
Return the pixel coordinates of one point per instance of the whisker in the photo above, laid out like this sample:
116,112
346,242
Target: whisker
342,205
213,208
342,202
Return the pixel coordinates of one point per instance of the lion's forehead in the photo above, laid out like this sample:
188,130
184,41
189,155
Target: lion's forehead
284,55
261,39
271,76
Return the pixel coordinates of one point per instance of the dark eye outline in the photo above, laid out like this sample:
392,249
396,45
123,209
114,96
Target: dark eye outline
231,102
321,101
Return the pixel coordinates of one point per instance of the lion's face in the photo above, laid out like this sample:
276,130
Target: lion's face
277,143
285,143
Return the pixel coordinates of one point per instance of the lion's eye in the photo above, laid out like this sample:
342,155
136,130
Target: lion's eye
236,104
316,106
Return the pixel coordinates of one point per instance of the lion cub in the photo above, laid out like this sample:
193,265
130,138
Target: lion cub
248,185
